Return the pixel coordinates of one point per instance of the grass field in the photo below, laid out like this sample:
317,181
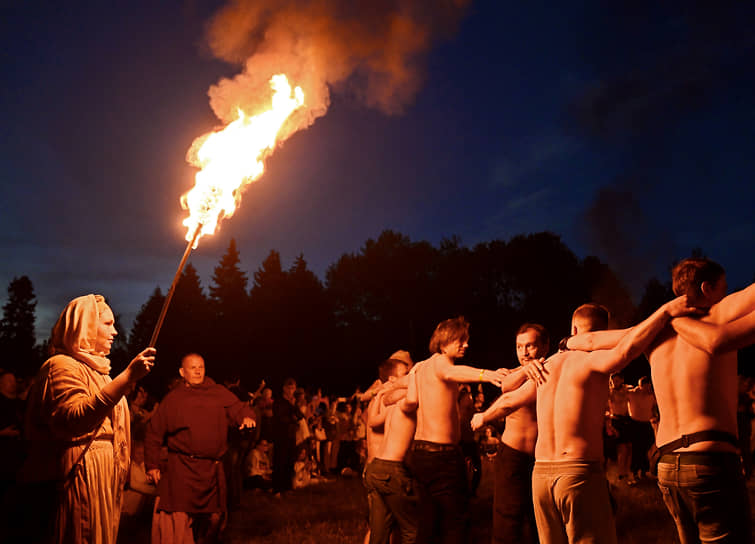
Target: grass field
335,512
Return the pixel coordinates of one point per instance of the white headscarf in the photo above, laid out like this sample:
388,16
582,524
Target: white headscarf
75,333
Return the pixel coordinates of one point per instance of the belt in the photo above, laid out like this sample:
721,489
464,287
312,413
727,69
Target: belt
701,436
193,456
699,457
424,445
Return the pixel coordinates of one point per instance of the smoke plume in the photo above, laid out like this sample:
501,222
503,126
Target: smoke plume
372,49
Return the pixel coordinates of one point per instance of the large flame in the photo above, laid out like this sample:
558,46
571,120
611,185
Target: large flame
230,158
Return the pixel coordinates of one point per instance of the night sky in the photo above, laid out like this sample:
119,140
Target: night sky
625,127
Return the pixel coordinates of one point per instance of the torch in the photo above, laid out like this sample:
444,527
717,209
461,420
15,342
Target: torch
172,289
228,159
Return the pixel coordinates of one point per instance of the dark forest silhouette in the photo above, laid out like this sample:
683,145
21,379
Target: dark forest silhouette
388,296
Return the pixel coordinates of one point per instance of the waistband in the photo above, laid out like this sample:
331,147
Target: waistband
700,458
424,445
562,468
508,450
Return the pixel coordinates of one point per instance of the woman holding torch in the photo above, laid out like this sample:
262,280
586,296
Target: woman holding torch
78,422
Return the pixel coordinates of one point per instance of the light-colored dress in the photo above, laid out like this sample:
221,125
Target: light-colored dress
66,408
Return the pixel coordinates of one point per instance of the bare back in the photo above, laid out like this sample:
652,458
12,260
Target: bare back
438,411
694,390
399,432
570,410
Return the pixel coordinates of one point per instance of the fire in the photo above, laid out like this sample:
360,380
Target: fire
233,157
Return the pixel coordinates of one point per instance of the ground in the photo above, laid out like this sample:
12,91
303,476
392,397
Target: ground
335,513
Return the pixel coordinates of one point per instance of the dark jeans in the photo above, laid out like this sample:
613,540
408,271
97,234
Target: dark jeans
705,493
391,496
513,513
440,473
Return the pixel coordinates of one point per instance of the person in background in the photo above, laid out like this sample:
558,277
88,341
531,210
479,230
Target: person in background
192,421
642,410
286,416
259,471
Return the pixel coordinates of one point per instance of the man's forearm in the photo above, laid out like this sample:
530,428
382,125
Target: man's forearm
715,339
467,374
592,341
495,411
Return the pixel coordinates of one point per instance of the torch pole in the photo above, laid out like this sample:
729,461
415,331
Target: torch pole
172,289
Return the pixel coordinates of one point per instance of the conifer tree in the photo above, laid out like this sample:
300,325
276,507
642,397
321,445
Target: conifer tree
17,336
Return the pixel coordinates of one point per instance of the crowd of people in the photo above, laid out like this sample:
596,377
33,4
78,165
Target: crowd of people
102,452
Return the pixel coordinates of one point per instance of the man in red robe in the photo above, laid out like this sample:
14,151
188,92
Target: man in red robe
192,421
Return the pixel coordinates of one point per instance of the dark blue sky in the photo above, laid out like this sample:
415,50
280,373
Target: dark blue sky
626,129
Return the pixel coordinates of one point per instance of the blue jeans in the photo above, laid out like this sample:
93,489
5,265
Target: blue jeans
391,497
705,493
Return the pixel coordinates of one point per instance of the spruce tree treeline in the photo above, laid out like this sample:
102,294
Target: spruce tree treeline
389,295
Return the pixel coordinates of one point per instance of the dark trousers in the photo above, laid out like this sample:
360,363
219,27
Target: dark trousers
440,473
705,493
390,497
513,512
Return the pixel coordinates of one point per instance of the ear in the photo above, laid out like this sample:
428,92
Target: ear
573,330
181,372
706,288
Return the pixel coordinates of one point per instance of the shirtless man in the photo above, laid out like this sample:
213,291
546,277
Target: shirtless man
393,368
700,473
513,514
437,462
568,482
386,476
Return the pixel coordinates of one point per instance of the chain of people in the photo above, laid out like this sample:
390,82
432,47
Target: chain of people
102,452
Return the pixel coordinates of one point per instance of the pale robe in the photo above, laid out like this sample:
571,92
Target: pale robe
66,407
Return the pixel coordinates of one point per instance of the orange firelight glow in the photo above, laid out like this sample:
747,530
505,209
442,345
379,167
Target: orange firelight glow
233,157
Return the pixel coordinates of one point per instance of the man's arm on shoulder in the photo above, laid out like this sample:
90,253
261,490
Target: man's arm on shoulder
715,339
638,338
447,371
410,402
735,305
592,341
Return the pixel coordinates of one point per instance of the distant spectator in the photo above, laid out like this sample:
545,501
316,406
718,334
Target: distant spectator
489,441
138,404
259,471
11,445
141,490
305,470
286,416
